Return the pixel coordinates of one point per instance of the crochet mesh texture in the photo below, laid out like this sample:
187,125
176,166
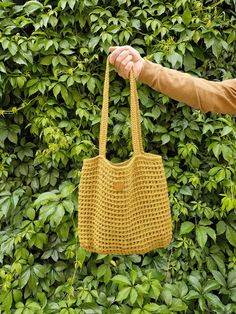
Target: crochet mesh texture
124,207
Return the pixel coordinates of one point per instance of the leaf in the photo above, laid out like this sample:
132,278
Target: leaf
12,48
186,227
142,289
63,4
17,295
91,85
64,93
217,149
185,190
165,138
231,235
220,262
39,270
151,307
210,285
46,211
220,227
123,294
56,90
32,6
30,213
167,296
2,68
227,152
158,57
160,129
57,216
214,300
211,233
46,60
143,95
72,4
93,42
178,28
192,295
219,278
107,275
3,134
133,276
232,37
133,295
220,176
19,60
20,81
173,58
195,283
217,48
7,301
40,239
120,279
46,197
136,23
178,305
101,270
12,136
34,306
5,206
201,235
81,255
66,188
6,4
226,130
187,16
117,129
24,278
196,36
231,281
70,81
189,62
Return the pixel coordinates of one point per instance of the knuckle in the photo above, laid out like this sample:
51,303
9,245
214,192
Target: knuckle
119,58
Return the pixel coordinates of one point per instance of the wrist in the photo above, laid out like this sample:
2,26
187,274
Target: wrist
142,65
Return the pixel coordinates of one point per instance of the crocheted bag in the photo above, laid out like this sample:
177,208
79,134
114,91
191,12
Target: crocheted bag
123,207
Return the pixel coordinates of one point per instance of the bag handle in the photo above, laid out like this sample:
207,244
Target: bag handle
134,115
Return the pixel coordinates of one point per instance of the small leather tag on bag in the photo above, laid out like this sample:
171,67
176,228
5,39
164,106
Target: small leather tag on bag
119,186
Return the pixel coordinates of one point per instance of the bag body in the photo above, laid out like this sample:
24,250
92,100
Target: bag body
123,207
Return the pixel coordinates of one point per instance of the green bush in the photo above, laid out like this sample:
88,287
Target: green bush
52,64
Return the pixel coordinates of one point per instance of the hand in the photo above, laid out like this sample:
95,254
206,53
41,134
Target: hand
124,58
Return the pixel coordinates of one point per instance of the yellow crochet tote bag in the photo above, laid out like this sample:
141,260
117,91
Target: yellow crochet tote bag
123,207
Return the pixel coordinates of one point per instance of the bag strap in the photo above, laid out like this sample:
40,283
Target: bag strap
134,115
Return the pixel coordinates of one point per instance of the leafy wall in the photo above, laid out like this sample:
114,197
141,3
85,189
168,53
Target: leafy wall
52,61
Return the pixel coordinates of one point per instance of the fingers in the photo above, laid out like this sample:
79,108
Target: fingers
121,48
125,66
116,51
111,49
124,58
127,69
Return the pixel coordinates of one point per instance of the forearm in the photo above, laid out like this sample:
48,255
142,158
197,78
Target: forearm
196,92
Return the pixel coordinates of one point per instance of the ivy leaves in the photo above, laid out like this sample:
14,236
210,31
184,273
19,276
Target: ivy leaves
51,74
53,205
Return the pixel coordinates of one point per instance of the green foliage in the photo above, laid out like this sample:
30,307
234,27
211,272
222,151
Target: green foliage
52,65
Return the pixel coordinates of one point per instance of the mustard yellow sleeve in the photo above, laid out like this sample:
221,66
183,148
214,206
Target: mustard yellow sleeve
196,92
